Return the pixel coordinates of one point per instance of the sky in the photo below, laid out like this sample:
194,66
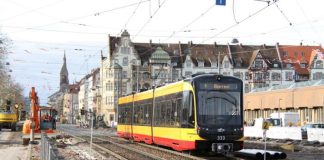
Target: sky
42,30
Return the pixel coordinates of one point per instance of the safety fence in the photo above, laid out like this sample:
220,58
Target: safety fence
293,133
315,134
48,149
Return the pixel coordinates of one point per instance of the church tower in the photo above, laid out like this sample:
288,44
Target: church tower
64,77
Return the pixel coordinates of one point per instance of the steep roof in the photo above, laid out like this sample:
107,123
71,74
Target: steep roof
64,70
242,54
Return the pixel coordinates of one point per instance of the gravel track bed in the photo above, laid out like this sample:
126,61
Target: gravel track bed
126,153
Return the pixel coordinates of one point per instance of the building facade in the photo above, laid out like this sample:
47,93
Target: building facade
130,67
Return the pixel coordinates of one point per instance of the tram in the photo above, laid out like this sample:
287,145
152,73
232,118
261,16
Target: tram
201,113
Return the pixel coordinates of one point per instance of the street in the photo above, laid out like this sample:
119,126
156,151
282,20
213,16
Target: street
11,147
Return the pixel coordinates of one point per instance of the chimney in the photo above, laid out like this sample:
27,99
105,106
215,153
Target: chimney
215,44
150,43
241,45
301,43
264,45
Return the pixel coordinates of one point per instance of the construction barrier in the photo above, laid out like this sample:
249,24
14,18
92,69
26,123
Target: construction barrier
293,133
315,134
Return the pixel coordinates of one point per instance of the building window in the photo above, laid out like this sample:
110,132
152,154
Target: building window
187,73
175,74
124,74
125,50
258,63
276,76
125,61
318,76
303,54
319,64
237,75
200,64
296,54
289,76
275,65
246,88
188,64
226,64
288,65
302,65
285,54
246,75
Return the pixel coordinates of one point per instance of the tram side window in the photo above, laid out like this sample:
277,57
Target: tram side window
163,114
141,115
136,111
128,114
157,114
146,114
187,119
168,113
120,115
174,113
179,107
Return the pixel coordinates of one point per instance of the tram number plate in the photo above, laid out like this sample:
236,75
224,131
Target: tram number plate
220,138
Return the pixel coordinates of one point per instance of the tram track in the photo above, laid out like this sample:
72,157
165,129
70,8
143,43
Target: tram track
110,148
119,148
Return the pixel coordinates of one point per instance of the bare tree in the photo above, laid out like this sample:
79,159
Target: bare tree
9,90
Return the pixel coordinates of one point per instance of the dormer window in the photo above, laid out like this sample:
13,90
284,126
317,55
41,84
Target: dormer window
303,54
125,50
302,65
258,63
285,54
188,64
226,64
319,64
275,65
200,64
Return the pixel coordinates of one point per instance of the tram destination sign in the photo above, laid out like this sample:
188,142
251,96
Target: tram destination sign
218,86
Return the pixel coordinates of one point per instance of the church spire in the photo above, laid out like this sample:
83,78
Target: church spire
64,76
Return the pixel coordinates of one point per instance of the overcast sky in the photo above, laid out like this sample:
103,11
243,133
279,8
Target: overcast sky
42,29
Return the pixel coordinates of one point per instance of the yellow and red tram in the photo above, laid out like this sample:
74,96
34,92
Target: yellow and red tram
200,113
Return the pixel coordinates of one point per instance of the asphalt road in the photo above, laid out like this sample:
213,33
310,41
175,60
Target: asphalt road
11,147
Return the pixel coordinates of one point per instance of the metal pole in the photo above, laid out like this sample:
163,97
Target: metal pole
265,144
137,78
91,133
323,111
72,108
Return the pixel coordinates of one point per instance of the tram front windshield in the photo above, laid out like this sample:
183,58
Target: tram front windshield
218,105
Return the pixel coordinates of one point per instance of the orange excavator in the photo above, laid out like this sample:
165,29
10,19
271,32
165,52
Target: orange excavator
41,119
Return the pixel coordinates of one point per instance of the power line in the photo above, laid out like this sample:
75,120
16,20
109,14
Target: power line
151,17
308,21
239,22
31,10
284,15
131,16
190,23
85,16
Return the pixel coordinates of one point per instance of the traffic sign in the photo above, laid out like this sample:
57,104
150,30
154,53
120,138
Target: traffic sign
221,2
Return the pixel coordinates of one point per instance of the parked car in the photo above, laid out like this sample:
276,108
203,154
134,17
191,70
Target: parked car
310,125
